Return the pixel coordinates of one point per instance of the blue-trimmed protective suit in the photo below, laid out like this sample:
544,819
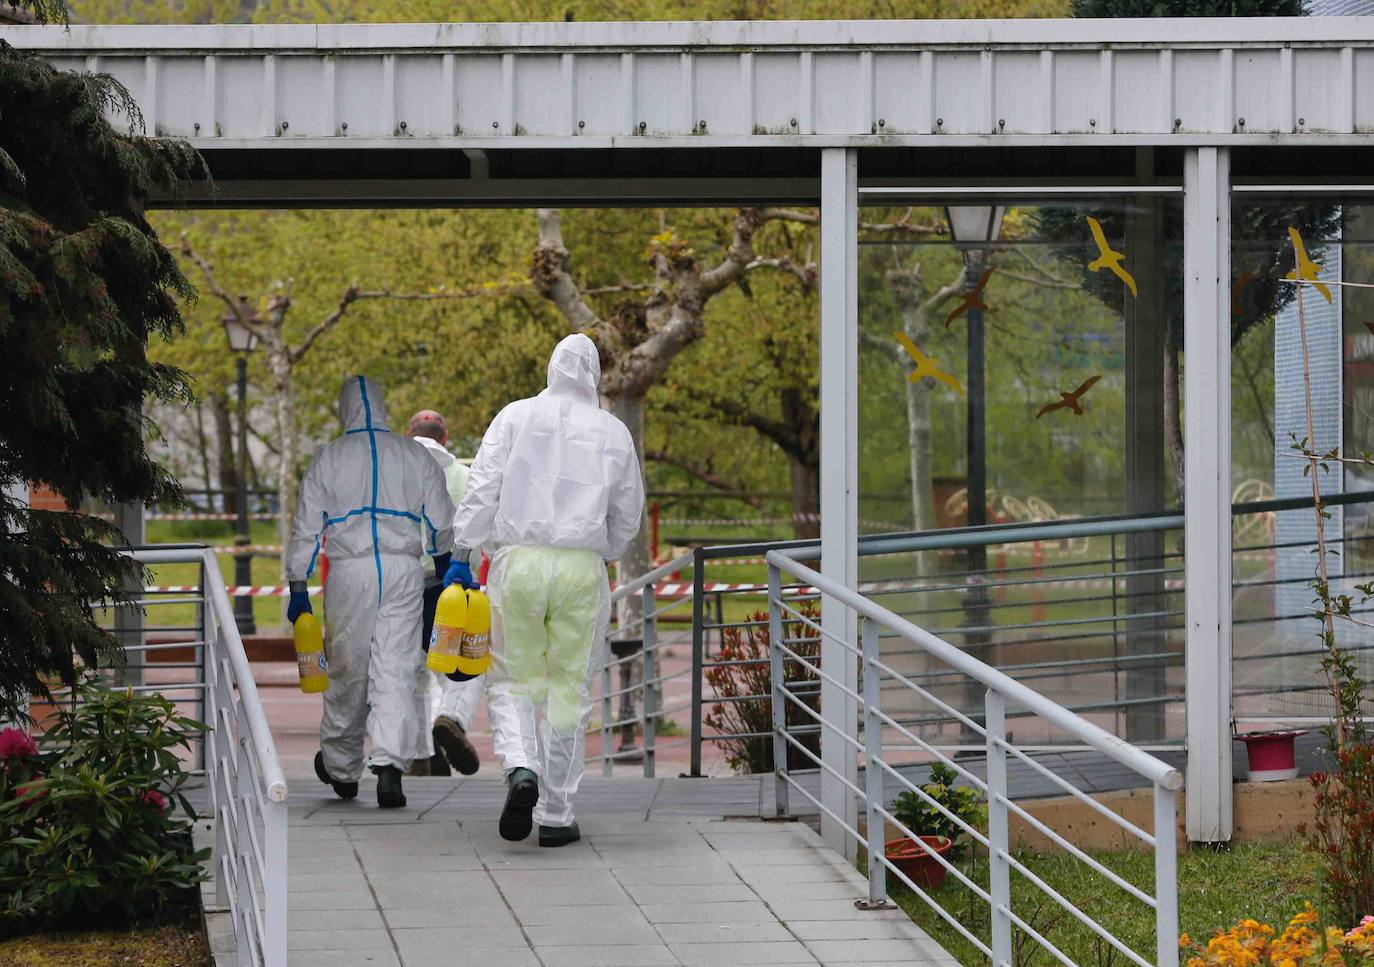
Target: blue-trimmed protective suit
382,502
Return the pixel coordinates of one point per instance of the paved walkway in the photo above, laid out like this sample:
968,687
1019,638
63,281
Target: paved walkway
662,877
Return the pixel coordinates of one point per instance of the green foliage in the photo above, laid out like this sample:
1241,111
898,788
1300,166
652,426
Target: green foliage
1189,8
90,831
84,285
923,819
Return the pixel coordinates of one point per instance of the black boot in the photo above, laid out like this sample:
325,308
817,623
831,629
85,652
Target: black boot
389,794
344,790
559,835
438,765
452,739
523,795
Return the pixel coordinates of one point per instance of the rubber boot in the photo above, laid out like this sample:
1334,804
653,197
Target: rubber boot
452,739
389,794
521,798
344,790
559,835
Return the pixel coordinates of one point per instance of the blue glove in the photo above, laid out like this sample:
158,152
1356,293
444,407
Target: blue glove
460,573
441,565
299,605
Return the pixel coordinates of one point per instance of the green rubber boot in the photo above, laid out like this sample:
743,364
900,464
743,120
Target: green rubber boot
522,796
389,794
559,835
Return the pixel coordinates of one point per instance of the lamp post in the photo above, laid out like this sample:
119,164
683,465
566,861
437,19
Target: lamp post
243,339
973,228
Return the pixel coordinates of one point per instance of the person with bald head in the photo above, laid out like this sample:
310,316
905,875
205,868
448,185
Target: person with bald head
447,704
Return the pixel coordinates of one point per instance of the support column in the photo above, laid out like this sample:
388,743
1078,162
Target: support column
839,343
1207,505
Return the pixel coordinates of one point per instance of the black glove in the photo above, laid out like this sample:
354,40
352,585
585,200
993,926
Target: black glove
441,564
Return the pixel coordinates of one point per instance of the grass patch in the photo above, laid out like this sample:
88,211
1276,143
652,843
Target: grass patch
1269,882
165,946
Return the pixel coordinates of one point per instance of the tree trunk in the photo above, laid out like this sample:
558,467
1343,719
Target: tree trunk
1173,417
203,445
224,446
806,496
638,559
279,365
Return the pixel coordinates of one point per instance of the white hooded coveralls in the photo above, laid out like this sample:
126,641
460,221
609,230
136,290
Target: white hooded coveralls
382,501
443,696
556,490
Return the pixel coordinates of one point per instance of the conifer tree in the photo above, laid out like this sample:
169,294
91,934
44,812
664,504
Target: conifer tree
84,285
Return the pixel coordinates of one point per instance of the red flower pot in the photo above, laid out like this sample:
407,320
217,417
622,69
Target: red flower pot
919,866
1271,755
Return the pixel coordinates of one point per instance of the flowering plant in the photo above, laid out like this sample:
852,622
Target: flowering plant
1302,943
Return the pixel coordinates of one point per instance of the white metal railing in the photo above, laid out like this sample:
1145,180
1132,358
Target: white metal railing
999,690
635,701
245,783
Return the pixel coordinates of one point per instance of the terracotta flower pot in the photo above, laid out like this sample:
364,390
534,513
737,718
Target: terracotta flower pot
1271,755
918,865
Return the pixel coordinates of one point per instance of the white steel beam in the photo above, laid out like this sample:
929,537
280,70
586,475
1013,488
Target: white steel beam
1207,497
1255,81
839,351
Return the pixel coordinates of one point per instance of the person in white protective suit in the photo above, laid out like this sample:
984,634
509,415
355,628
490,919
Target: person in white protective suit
449,702
382,501
556,490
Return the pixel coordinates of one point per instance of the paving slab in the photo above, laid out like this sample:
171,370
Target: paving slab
662,879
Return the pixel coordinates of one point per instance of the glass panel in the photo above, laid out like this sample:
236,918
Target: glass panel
1276,643
1071,312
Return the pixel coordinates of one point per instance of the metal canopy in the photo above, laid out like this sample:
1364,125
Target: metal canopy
587,112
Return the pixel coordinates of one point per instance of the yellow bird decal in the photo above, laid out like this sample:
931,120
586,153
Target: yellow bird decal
1108,258
925,365
1306,269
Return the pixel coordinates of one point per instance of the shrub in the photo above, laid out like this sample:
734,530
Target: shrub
923,819
749,645
1303,943
97,830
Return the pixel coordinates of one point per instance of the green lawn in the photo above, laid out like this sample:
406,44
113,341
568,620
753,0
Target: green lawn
1269,882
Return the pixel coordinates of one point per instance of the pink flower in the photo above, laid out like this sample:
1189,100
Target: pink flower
16,742
155,800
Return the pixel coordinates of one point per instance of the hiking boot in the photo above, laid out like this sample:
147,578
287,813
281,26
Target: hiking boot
517,816
438,765
344,790
420,767
559,835
389,794
451,739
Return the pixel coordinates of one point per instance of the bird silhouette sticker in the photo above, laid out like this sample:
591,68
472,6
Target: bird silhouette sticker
1306,269
973,300
1108,258
925,365
1070,401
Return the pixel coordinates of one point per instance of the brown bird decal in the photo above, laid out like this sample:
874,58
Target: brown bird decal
1370,326
974,300
1070,401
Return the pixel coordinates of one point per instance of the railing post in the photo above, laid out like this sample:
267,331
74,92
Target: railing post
777,678
274,821
698,654
606,713
650,699
243,862
1166,878
873,774
203,704
999,837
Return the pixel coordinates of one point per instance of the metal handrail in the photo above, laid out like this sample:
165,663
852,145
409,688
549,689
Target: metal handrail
623,591
1159,773
994,741
246,783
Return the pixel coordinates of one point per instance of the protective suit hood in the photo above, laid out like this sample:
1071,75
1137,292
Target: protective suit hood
361,404
575,369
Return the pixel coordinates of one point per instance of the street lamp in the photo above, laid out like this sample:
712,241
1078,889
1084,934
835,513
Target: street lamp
973,229
243,339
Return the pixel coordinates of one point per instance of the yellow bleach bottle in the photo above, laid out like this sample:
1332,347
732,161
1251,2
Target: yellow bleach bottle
310,659
461,640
